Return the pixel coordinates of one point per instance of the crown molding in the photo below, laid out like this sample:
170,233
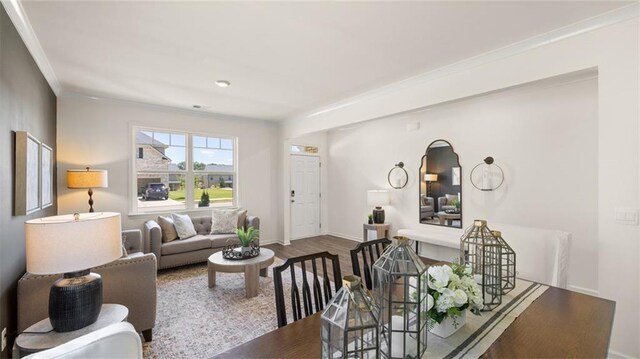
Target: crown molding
587,25
21,22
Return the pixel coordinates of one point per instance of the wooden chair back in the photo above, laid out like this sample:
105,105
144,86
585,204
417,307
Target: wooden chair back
370,251
311,292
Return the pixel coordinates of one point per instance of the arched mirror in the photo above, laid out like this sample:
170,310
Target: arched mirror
440,186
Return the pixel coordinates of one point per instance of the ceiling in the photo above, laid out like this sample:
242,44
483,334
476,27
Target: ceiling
282,58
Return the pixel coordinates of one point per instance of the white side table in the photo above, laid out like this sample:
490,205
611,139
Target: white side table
28,342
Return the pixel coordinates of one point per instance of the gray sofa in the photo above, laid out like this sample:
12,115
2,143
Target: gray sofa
130,281
195,249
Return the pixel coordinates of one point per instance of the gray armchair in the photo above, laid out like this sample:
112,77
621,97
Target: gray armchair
426,207
130,281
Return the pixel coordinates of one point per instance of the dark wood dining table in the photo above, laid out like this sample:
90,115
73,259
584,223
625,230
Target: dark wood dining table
559,324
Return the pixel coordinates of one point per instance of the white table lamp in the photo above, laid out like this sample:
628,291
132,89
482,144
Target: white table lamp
72,244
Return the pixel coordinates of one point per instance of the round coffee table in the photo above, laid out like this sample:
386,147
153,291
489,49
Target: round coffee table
251,268
447,217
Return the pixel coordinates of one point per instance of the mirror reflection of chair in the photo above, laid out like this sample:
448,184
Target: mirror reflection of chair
314,285
370,251
427,207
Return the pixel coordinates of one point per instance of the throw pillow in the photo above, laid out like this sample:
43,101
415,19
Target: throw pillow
242,218
451,197
125,253
184,225
224,221
168,229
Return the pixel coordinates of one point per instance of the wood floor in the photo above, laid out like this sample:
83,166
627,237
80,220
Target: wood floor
331,244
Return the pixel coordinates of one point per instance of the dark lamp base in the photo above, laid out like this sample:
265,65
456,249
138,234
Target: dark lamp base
75,301
378,215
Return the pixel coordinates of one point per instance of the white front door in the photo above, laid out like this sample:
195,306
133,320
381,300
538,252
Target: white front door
305,196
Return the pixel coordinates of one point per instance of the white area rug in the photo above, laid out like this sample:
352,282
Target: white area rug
194,321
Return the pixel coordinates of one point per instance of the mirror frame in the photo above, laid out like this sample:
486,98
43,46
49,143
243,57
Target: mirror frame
421,180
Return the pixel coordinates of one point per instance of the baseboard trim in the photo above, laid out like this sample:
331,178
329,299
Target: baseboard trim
270,241
616,355
582,290
345,236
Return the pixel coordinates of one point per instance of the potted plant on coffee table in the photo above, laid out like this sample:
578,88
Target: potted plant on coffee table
246,238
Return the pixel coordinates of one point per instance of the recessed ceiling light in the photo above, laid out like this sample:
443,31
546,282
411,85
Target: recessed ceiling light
223,83
93,97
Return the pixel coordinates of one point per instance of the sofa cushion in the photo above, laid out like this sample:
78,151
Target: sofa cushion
202,224
168,229
242,218
186,245
221,240
184,226
224,221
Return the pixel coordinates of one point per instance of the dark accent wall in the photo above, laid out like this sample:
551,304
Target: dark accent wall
26,104
440,161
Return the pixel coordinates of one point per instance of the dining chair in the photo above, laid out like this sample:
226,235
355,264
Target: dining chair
370,251
315,285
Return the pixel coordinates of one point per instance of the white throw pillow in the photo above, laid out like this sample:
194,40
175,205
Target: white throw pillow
184,225
224,221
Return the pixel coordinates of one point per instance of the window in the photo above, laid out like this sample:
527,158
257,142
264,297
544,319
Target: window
304,149
175,171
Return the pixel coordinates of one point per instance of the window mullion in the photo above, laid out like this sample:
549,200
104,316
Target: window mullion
189,187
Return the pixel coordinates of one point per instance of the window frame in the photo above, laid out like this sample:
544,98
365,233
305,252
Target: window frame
190,204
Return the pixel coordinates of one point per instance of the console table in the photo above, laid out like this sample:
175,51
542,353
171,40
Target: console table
546,329
382,230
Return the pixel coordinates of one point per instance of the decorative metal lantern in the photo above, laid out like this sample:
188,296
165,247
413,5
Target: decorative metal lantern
349,323
400,291
480,249
508,263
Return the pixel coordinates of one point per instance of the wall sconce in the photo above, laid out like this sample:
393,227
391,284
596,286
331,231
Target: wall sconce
487,176
398,176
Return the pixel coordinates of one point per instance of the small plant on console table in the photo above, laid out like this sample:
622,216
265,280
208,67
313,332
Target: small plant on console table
370,217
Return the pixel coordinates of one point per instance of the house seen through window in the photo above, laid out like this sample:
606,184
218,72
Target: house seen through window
176,171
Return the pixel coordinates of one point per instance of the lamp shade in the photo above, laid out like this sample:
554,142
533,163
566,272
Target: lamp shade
87,178
63,244
430,177
377,197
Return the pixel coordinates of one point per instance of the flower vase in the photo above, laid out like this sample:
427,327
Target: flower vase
449,325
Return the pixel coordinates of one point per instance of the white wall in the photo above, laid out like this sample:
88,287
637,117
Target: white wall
613,50
544,136
97,133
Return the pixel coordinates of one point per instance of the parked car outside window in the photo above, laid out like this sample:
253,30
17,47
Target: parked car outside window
155,191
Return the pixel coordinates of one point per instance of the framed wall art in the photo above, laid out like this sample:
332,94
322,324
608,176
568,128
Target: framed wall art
27,175
455,176
46,176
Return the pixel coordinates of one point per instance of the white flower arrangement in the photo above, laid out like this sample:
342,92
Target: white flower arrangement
450,290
